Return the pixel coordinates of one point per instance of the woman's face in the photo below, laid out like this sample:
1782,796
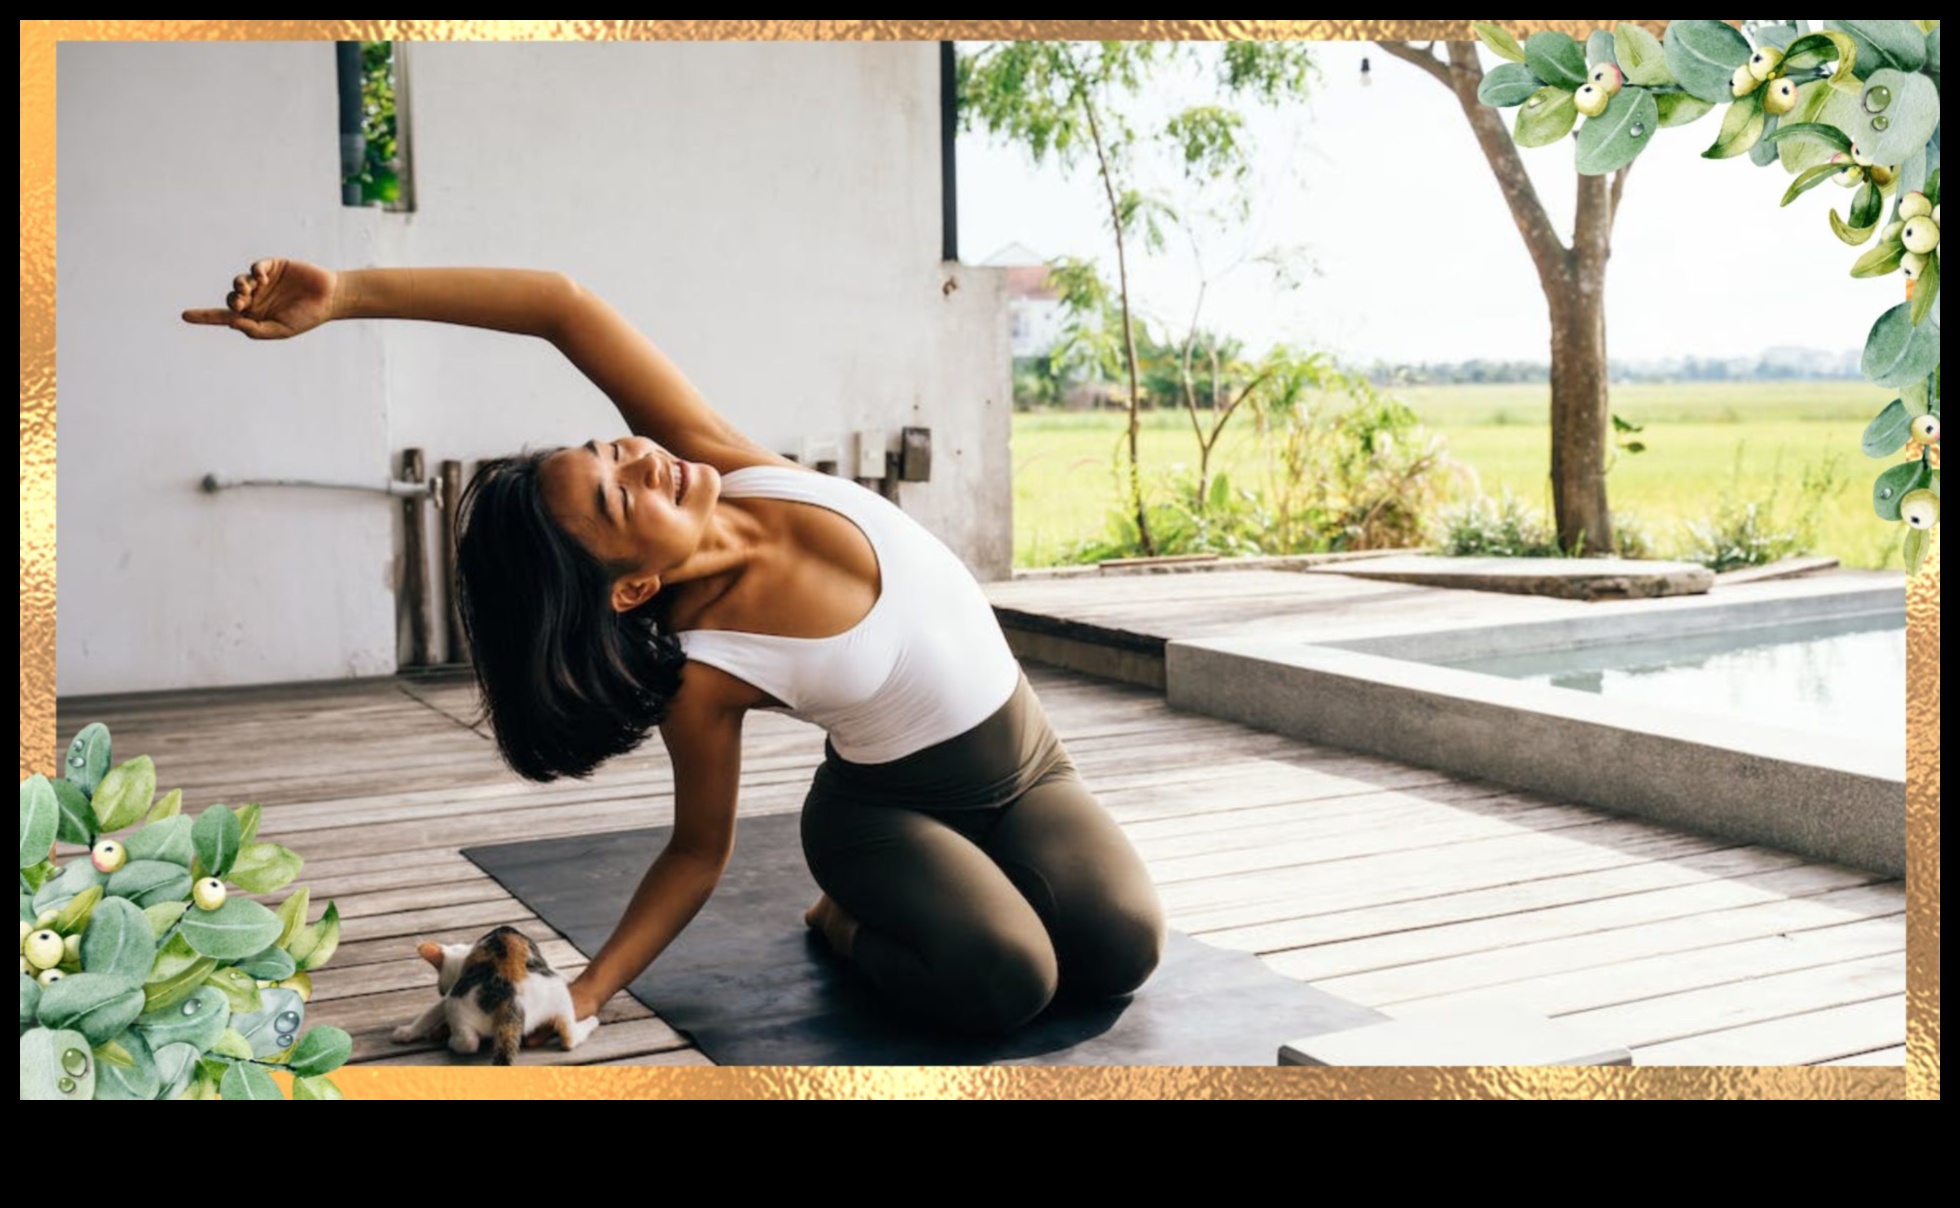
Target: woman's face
630,502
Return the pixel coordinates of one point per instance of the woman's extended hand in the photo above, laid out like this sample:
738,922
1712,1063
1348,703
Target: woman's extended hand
274,300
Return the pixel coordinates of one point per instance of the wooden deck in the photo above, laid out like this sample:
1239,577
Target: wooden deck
1385,883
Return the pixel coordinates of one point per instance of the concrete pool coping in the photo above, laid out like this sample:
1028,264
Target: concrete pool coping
1827,797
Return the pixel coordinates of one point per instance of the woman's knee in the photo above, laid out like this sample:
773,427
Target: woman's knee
1121,954
998,982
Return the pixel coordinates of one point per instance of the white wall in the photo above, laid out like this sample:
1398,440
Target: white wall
768,213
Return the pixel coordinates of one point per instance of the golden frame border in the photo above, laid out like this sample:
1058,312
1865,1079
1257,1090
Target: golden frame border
1919,1079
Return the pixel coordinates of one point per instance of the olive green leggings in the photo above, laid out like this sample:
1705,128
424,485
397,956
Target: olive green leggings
985,878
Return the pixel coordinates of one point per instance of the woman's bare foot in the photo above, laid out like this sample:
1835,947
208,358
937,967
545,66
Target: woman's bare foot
828,919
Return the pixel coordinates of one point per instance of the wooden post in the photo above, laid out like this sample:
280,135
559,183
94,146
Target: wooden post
452,493
415,568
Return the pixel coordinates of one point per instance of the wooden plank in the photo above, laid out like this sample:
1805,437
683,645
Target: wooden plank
1808,1039
1592,916
1476,970
1710,1009
1896,1055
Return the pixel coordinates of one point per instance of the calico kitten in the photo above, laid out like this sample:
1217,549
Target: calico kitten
500,987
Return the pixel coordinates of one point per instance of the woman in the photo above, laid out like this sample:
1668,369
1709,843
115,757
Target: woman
682,575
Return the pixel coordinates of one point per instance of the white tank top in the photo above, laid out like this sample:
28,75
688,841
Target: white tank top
927,663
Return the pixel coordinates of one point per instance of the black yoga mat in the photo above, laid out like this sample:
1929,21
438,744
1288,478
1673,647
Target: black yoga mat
751,986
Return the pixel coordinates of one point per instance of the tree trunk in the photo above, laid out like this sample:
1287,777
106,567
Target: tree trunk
1579,416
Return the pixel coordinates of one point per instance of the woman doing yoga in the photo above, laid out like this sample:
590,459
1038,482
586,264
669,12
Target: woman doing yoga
682,575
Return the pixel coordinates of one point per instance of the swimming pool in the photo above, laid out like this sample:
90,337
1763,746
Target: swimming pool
1776,719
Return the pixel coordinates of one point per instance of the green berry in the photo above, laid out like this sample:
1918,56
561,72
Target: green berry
26,929
1591,100
46,918
1912,264
1743,82
1891,233
1921,235
1781,96
108,855
48,977
1926,429
1763,64
1607,78
208,894
43,948
71,949
1921,509
1915,205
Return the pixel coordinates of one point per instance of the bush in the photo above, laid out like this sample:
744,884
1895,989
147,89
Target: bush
1497,528
1755,532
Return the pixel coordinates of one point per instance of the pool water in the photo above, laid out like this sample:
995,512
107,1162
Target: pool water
1842,675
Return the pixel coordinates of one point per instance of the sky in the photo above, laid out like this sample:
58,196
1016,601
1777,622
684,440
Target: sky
1414,252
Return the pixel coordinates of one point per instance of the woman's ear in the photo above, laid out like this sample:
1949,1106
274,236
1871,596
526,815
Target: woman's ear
631,591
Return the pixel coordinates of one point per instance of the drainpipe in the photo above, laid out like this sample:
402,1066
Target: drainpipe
353,144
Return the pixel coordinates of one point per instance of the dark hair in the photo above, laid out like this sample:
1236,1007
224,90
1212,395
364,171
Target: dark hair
568,681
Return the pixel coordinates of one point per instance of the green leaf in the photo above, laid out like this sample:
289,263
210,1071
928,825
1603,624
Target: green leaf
1813,132
216,837
1896,351
34,876
1506,85
1848,233
197,1021
1742,125
1917,396
1499,40
1890,431
98,1005
124,793
74,914
57,891
1932,189
271,964
1909,120
1678,108
248,822
1880,260
1804,56
167,806
240,990
164,915
235,930
1807,180
313,945
132,1078
150,882
40,819
77,823
1703,55
264,867
271,1029
1885,44
87,760
1610,141
168,840
119,941
1556,59
45,1065
1599,49
177,973
1867,207
176,1067
292,916
1918,541
247,1081
1641,56
1888,491
1925,291
30,1001
322,1088
232,1043
322,1050
1546,118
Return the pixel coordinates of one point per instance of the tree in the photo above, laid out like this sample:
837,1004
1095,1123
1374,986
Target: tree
1573,278
1077,100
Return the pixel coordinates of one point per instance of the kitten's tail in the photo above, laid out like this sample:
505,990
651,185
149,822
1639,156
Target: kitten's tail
507,1023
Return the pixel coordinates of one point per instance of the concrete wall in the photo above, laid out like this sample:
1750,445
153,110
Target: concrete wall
768,213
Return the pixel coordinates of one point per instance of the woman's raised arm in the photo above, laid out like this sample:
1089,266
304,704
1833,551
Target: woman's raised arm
277,299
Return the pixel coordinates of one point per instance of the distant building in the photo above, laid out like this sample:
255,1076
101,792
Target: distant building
1034,309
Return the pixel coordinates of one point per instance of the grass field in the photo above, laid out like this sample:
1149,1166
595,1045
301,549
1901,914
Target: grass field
1065,481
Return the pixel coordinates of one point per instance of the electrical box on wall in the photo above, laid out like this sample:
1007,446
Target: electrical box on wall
915,455
870,453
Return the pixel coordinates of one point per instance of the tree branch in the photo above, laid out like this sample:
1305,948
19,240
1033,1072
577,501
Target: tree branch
1420,58
1619,187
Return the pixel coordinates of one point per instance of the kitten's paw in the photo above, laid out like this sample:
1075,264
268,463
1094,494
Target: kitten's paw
581,1029
463,1042
407,1034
